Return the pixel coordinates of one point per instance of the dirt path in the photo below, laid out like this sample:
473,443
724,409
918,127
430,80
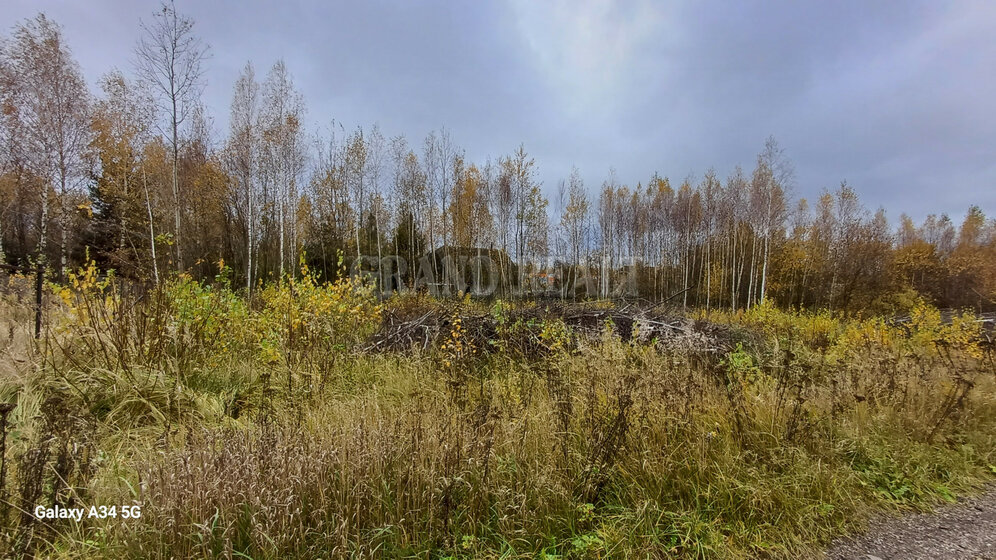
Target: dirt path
966,530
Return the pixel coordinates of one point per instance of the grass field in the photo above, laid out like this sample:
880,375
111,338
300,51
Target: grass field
314,421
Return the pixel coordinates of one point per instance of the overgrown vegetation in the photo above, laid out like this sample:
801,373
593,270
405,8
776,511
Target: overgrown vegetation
310,400
279,427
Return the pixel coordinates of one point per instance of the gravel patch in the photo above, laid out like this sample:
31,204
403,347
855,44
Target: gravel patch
966,530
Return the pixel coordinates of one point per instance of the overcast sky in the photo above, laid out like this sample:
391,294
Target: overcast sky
895,97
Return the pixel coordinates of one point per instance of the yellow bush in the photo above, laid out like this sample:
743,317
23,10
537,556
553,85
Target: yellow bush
210,322
305,312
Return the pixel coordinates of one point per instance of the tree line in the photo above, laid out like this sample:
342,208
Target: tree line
133,177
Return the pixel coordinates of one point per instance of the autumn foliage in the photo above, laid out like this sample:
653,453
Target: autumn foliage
146,188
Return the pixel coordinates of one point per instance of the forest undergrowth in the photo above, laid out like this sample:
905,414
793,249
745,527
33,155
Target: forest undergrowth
276,426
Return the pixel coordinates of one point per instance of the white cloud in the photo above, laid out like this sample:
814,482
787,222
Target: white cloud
594,53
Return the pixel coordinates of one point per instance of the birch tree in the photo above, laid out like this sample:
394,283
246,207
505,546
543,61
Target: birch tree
376,158
169,58
283,155
410,191
242,156
46,102
770,181
574,219
355,172
438,156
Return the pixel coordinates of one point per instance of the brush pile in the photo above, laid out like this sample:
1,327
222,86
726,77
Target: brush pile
521,328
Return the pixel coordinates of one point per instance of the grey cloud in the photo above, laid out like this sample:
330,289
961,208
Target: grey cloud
894,97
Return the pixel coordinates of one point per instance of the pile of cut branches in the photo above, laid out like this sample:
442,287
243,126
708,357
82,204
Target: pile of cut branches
519,327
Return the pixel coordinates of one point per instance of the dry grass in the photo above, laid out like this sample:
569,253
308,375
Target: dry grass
581,447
